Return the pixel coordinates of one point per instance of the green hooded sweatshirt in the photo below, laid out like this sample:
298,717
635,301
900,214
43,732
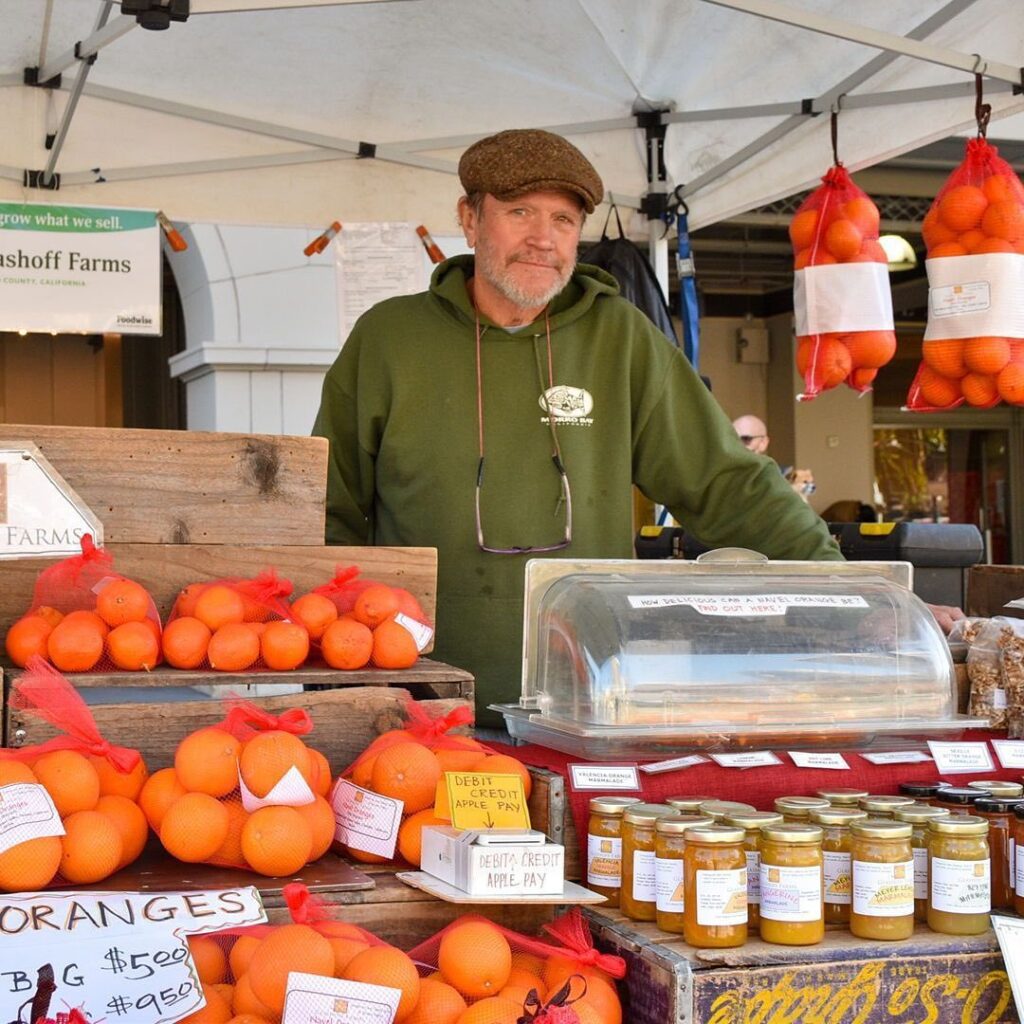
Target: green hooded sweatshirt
399,408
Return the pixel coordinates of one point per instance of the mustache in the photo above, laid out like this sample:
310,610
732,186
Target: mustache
522,257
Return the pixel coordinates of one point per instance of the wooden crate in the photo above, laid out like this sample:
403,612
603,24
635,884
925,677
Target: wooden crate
929,977
182,487
550,814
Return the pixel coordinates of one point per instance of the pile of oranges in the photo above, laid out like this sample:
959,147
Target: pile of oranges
196,808
122,629
105,830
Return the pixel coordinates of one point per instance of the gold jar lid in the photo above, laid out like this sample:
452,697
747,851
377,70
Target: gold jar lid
719,809
688,804
611,804
792,832
752,820
715,834
918,813
678,823
884,802
998,787
875,828
843,796
645,814
959,825
800,806
838,816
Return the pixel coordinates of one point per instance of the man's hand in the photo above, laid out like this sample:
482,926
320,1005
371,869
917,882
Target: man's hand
945,616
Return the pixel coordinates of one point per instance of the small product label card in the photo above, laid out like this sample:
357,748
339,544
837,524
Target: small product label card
957,299
1010,933
818,759
1010,753
896,757
312,999
421,632
674,764
290,790
954,758
619,777
26,812
364,820
748,759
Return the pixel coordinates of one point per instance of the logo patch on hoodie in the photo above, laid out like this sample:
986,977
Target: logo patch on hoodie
568,405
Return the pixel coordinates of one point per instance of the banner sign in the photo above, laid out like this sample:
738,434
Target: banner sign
79,269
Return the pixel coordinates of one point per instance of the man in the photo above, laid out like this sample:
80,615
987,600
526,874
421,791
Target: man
752,432
506,413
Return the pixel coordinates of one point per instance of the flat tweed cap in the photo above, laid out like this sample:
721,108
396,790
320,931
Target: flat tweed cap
523,160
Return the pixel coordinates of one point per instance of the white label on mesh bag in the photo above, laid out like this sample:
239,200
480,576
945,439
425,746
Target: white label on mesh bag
975,296
290,790
311,998
842,297
26,812
364,820
421,632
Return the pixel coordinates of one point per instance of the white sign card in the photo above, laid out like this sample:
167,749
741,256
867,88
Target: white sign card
313,999
674,764
79,268
960,758
365,820
291,790
1010,933
420,631
1010,753
620,778
26,812
747,759
816,759
115,956
896,757
747,604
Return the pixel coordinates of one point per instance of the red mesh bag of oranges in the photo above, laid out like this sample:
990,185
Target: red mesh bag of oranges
235,625
841,297
973,347
72,803
85,617
245,793
481,973
355,622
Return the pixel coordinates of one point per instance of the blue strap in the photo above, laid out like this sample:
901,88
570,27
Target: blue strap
687,290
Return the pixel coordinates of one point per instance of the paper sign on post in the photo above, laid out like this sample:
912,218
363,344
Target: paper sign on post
622,778
813,759
313,999
479,800
896,757
1010,933
956,758
365,820
26,812
748,759
675,764
116,956
1010,753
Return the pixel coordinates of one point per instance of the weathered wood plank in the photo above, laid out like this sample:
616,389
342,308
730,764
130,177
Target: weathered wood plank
179,487
549,813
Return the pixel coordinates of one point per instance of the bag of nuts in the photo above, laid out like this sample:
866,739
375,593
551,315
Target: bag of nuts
988,692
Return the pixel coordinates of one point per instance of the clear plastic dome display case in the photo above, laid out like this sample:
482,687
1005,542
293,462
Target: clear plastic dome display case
642,659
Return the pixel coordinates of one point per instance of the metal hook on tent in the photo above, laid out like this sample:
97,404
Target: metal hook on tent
982,111
835,131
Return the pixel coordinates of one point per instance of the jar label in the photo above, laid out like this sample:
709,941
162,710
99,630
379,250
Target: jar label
883,890
722,897
837,877
753,876
1011,858
921,873
604,861
669,885
1019,871
961,886
791,894
644,876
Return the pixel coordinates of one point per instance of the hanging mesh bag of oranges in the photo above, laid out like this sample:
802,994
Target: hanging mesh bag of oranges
973,348
71,812
841,297
86,617
246,793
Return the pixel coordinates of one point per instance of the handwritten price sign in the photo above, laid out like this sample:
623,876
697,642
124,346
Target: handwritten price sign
114,956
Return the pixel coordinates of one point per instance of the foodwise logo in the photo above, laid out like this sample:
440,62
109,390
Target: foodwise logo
134,320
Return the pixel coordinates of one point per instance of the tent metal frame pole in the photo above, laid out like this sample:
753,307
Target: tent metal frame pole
246,6
103,35
901,45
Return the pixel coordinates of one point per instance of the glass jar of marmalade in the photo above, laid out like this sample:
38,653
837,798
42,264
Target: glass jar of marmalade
959,800
669,845
998,812
835,825
798,808
751,823
883,805
882,865
959,869
604,845
922,792
687,804
1017,846
792,884
999,787
842,796
638,892
917,817
715,879
719,809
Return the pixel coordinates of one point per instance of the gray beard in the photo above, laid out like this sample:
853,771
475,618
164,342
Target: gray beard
511,291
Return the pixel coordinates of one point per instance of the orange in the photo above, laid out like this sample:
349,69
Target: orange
31,865
803,228
870,349
934,231
233,648
83,616
292,947
937,391
257,628
458,760
185,641
811,258
559,968
216,1010
410,834
863,214
1010,383
476,958
243,999
70,780
51,615
158,792
388,966
363,857
962,206
130,822
117,783
994,245
133,647
1004,219
408,772
268,756
870,252
344,951
229,853
503,764
970,240
210,960
194,827
524,979
277,841
284,645
185,602
320,818
828,362
362,773
528,962
13,772
92,848
122,601
600,995
946,249
241,953
249,1018
999,187
843,239
218,606
979,390
346,644
393,647
494,1010
225,990
861,379
408,605
438,1004
986,355
320,772
945,357
315,612
27,637
76,644
207,761
376,604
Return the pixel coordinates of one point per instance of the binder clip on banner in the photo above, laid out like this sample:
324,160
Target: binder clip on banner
322,240
433,249
174,239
